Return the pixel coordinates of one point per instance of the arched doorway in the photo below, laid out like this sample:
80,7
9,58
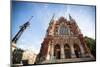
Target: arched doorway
67,51
77,50
57,51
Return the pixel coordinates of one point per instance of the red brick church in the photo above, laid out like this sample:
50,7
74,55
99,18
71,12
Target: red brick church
63,42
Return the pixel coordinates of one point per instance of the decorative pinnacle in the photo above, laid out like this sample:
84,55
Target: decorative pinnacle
70,17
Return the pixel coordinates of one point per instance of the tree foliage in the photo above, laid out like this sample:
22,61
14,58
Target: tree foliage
91,43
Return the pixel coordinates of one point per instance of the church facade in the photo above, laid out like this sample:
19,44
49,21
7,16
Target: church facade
63,42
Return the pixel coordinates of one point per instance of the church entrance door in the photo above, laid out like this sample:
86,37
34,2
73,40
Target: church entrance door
67,51
77,51
57,51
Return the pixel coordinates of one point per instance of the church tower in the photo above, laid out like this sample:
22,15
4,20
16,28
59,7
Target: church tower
63,42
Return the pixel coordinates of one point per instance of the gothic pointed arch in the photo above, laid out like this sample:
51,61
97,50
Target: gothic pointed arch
57,51
67,51
77,50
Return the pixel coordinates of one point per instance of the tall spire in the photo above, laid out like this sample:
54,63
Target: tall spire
70,18
52,19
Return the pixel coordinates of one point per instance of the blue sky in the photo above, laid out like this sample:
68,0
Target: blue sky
43,12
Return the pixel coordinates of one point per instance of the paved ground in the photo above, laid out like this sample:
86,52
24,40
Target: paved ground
70,60
73,60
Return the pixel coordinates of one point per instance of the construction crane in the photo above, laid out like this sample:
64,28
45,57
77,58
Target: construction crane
17,53
18,35
22,29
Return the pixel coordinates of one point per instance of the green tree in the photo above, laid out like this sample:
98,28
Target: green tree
92,45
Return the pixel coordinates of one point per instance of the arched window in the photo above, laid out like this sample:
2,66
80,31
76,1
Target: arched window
57,51
77,50
63,30
67,51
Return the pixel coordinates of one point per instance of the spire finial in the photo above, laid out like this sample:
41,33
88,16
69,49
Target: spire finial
52,19
70,18
53,16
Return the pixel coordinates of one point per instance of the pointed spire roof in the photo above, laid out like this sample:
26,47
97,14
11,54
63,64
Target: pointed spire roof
52,19
70,18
